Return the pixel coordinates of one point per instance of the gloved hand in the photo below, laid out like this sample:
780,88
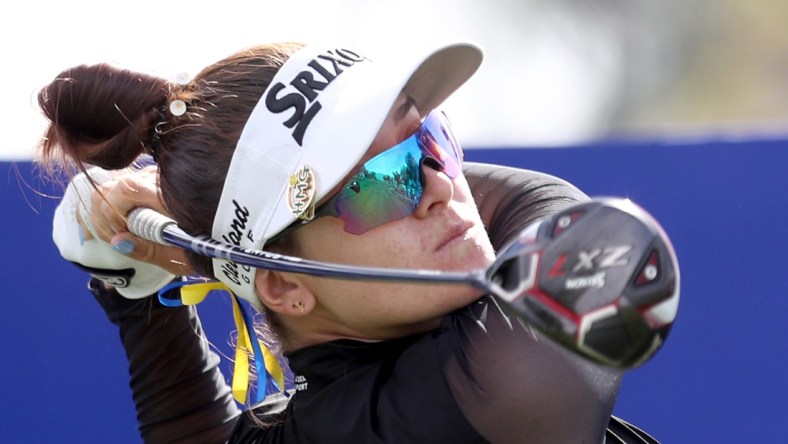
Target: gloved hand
133,279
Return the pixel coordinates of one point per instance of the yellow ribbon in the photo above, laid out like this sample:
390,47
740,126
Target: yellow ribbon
192,294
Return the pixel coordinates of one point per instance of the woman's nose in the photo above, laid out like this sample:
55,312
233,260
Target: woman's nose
438,188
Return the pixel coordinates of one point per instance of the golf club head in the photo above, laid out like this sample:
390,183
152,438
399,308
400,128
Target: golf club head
601,278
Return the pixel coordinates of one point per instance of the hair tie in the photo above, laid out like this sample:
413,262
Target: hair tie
155,137
155,144
176,108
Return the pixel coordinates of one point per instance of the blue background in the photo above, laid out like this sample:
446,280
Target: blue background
719,378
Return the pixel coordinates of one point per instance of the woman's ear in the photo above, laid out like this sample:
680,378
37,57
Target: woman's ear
283,293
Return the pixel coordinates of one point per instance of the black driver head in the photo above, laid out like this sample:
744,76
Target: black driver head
600,278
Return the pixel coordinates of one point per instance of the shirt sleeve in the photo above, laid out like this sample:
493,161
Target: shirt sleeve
510,199
177,386
511,383
514,385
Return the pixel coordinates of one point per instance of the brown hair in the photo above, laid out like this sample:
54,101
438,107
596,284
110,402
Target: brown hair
106,116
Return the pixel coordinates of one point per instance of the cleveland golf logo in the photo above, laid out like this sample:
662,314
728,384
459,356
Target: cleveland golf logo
306,87
238,228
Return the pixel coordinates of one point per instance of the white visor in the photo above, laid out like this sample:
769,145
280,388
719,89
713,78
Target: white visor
312,125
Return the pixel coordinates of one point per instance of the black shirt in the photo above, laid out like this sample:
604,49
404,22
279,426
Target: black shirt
479,377
430,388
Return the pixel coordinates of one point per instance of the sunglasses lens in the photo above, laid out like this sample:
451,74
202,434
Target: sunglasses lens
436,138
389,186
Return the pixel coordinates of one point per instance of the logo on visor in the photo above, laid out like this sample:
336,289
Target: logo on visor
301,193
238,231
307,85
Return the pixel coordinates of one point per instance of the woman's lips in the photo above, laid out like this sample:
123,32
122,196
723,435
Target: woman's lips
456,232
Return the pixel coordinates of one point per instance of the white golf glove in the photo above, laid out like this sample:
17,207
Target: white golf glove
132,279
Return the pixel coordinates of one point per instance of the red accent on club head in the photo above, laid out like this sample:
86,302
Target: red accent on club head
558,267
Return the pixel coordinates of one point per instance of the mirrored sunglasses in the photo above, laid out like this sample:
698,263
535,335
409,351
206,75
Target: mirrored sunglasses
389,186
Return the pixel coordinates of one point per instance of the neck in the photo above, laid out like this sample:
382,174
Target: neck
305,331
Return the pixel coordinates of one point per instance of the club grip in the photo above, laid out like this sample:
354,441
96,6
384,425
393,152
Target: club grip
149,224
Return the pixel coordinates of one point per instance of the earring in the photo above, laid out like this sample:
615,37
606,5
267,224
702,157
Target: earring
300,306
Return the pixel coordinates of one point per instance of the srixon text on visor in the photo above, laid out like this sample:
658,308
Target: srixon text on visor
302,98
320,72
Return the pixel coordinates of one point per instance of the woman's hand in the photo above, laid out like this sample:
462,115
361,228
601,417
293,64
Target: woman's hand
89,229
110,204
